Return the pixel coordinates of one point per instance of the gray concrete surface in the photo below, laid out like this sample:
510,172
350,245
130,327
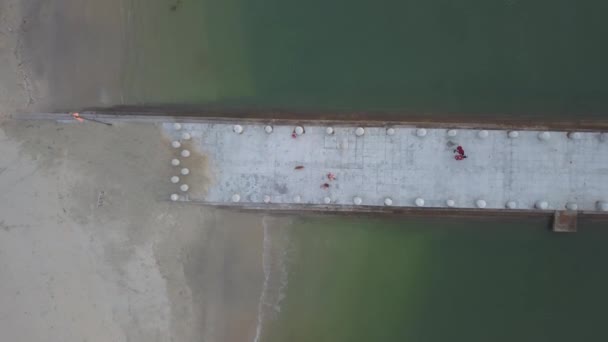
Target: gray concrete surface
533,171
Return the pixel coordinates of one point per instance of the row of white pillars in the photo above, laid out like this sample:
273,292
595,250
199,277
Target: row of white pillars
420,202
184,171
420,132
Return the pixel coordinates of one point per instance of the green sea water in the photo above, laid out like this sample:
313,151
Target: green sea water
473,57
396,279
441,280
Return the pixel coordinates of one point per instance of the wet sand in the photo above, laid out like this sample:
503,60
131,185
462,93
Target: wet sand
74,51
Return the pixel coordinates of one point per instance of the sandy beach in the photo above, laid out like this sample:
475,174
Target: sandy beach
89,247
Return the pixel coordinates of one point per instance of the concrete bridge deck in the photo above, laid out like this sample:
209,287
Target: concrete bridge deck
264,166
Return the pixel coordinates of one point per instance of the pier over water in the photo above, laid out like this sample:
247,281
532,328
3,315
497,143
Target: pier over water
332,167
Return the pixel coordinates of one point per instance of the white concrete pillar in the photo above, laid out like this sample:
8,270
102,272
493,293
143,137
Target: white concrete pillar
186,136
184,187
511,205
452,133
359,131
327,200
390,131
185,171
177,126
174,179
483,134
602,205
571,206
421,132
357,200
268,129
185,153
175,162
388,201
236,198
299,130
542,205
513,134
329,130
450,203
480,203
544,136
575,135
267,199
419,202
238,129
174,197
176,144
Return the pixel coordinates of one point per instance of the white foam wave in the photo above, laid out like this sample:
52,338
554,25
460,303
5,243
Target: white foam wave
274,265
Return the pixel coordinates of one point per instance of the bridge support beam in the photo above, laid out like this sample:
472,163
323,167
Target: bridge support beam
565,221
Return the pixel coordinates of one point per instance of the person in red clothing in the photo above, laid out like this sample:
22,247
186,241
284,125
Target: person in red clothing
460,150
460,155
